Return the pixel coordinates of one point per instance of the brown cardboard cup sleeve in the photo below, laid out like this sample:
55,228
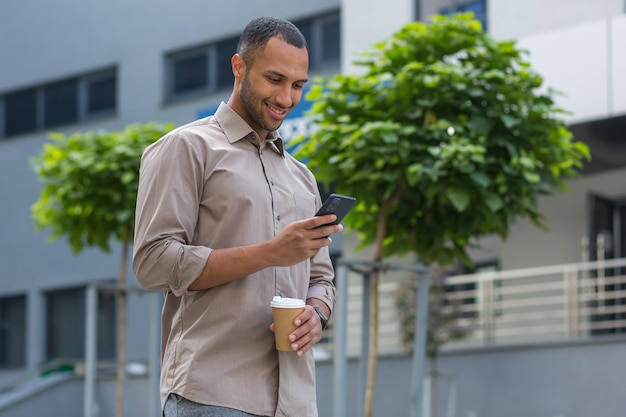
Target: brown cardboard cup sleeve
285,311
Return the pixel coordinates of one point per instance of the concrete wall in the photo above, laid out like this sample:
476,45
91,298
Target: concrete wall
63,398
365,22
81,35
558,380
511,19
585,62
561,380
567,221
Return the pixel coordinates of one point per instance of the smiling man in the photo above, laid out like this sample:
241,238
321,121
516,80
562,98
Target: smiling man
225,221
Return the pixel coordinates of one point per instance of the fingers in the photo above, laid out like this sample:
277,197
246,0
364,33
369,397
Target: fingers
308,332
325,224
321,226
327,230
322,220
302,239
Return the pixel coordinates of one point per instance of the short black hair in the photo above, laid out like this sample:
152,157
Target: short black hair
259,31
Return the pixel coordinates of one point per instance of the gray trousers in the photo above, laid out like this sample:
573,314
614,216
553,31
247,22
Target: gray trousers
177,406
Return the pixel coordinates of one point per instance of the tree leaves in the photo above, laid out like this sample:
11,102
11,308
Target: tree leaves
457,122
90,184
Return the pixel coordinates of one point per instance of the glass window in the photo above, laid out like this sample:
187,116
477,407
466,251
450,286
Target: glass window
65,330
12,332
101,94
479,10
205,69
54,104
190,73
225,51
331,40
20,112
306,27
61,103
208,69
107,326
323,35
65,324
478,7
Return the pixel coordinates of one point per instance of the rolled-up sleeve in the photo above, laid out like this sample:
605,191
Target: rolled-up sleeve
170,185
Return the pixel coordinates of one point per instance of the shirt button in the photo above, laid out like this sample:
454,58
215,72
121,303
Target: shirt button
278,218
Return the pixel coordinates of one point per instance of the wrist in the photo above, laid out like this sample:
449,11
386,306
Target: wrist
322,316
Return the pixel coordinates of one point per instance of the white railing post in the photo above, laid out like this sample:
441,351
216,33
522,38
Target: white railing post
418,394
486,312
340,349
572,309
154,357
600,241
90,408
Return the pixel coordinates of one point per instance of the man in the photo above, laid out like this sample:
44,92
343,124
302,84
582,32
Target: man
225,222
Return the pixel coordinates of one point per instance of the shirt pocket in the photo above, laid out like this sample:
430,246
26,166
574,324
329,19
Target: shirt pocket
303,207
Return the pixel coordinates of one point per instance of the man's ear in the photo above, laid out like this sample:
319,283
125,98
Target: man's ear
239,67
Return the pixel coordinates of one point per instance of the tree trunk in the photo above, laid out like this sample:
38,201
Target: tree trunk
121,329
434,388
372,360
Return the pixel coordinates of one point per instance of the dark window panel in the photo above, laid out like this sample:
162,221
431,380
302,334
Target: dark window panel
306,27
101,95
20,112
478,7
65,324
190,73
331,41
61,103
107,334
225,51
12,332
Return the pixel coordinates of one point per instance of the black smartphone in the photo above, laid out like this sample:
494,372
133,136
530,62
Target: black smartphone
337,204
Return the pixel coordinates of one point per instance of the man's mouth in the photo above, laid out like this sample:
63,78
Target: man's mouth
277,112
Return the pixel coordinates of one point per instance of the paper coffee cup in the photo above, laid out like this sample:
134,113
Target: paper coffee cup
285,311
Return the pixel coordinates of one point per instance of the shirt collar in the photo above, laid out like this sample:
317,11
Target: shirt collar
236,129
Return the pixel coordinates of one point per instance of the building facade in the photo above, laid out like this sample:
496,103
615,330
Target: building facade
78,66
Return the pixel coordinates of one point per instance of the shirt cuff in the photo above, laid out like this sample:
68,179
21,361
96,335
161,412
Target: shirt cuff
325,294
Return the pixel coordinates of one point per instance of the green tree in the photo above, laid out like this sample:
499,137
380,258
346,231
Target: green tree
446,136
89,195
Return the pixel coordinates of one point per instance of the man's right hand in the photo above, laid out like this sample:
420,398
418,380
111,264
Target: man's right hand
298,241
302,239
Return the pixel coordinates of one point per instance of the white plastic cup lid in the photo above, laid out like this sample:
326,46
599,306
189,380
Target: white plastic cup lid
285,302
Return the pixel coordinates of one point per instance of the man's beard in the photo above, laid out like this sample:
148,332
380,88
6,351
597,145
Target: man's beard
253,106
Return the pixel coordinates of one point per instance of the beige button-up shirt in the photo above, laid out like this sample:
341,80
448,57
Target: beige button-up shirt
206,185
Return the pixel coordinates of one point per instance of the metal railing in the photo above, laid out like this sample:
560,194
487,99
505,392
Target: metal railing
533,305
564,302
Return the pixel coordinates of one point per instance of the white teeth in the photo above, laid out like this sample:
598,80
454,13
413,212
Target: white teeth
274,109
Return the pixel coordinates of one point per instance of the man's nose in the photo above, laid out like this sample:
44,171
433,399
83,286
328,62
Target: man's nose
286,97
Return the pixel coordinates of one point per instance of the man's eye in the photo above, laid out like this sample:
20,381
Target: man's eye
274,80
